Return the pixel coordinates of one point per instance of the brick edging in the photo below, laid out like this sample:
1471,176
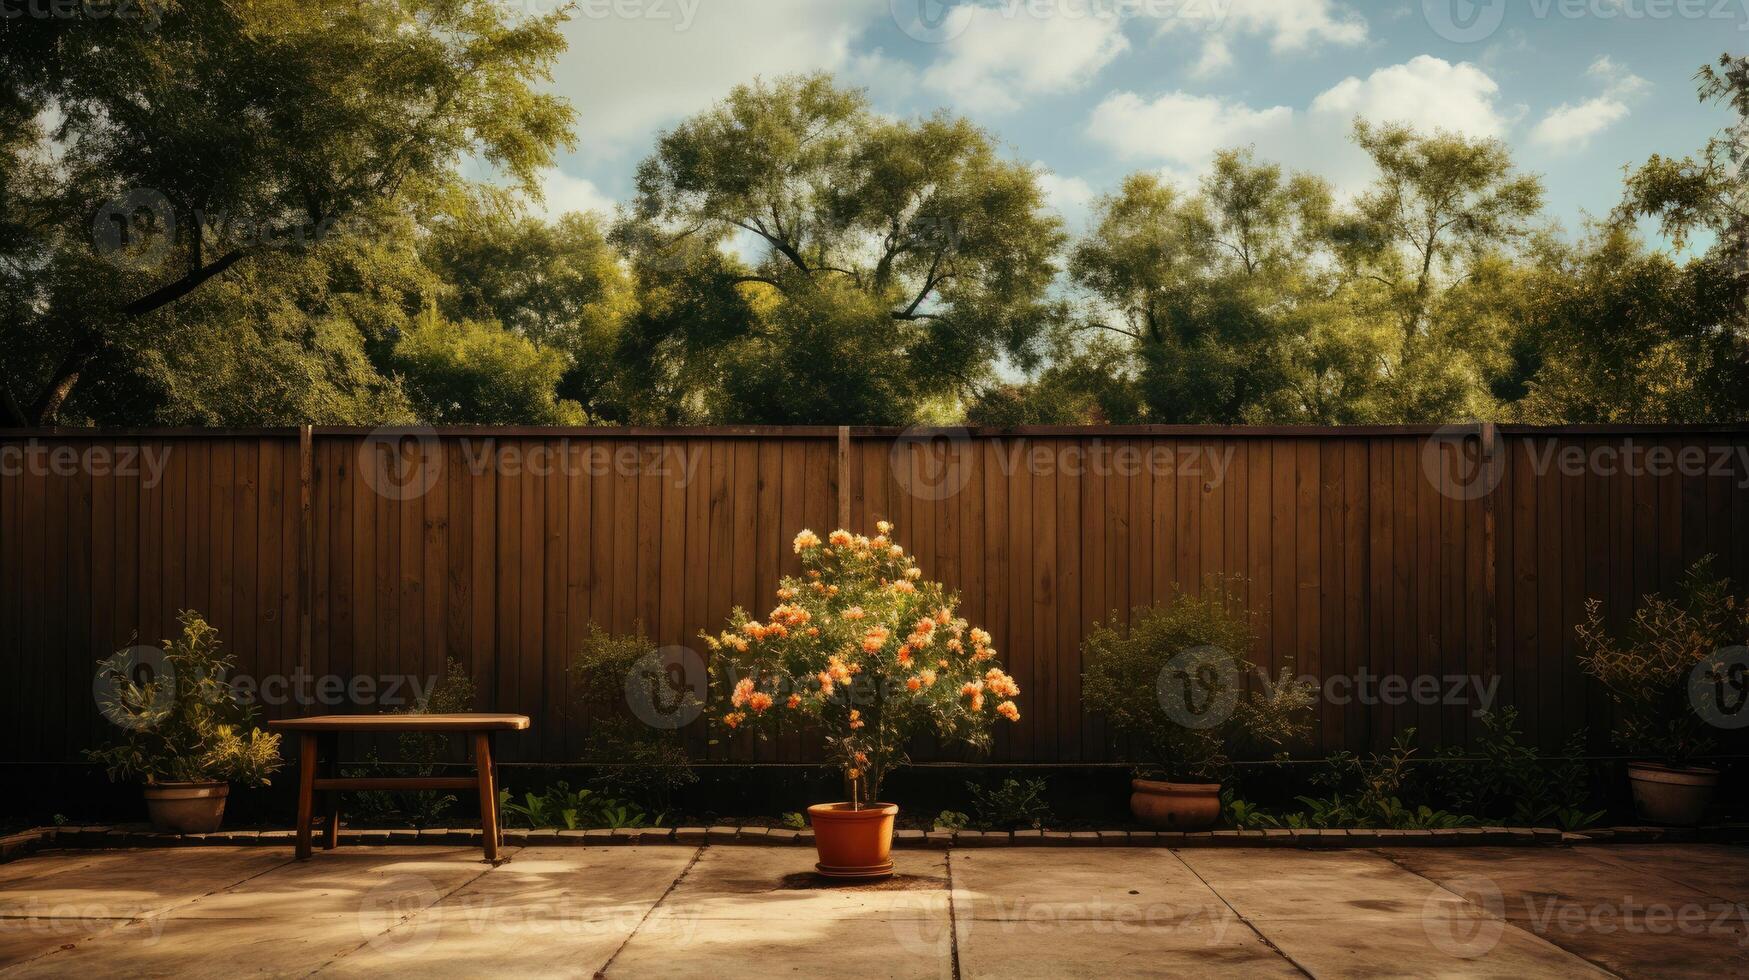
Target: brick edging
109,837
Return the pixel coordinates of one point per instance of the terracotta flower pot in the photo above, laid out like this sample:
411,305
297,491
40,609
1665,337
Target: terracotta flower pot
1678,797
853,843
186,808
1175,806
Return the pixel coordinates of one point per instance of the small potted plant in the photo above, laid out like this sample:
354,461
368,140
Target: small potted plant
1656,673
184,731
863,647
1173,680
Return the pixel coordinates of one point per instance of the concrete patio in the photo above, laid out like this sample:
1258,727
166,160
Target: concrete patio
742,911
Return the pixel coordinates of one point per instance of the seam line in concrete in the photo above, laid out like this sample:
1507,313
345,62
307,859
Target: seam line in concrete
416,913
953,928
652,910
1584,852
1505,920
1265,940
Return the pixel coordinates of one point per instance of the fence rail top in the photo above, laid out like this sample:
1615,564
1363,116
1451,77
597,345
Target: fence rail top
1738,429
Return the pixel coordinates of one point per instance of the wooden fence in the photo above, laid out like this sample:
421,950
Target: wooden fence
1463,555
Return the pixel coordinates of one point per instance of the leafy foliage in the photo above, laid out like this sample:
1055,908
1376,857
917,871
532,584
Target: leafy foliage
1646,668
567,809
1126,664
1013,804
420,753
185,723
636,761
1498,776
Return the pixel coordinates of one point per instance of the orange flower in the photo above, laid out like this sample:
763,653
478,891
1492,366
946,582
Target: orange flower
913,573
840,538
928,677
980,638
970,688
885,527
1007,710
874,639
743,691
904,586
978,702
805,540
905,656
795,701
734,719
913,684
1001,684
786,593
854,612
956,646
855,718
759,701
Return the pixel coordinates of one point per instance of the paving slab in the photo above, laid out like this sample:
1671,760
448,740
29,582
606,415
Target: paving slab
1633,913
1096,912
551,912
55,899
1356,913
289,919
757,912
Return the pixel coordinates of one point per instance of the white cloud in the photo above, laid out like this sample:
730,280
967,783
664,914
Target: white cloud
1071,197
1570,126
630,76
1181,128
1289,25
564,193
1183,131
1004,53
1425,92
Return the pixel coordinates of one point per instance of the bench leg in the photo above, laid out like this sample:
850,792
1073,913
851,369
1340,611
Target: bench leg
331,799
306,792
484,774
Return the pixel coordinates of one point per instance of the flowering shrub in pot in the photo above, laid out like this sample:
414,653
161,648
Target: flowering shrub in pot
864,649
1173,680
184,732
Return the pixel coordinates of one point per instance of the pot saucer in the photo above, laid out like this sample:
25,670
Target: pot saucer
856,874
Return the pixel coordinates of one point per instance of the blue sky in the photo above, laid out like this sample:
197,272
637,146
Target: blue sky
1091,90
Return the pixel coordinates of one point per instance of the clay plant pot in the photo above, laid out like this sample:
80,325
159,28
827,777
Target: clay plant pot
186,808
1175,806
1678,797
853,843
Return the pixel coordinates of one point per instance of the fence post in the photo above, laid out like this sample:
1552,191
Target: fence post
306,540
844,476
1490,449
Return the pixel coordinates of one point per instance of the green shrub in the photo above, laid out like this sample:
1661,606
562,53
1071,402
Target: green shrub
634,760
1499,776
185,723
421,753
1646,669
1196,642
1013,804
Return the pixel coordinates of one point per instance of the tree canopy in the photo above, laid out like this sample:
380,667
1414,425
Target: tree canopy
261,212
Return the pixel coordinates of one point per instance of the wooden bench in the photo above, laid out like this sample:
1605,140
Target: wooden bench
319,747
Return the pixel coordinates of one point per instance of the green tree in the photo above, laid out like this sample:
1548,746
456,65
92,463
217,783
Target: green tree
479,373
212,138
1422,250
901,257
